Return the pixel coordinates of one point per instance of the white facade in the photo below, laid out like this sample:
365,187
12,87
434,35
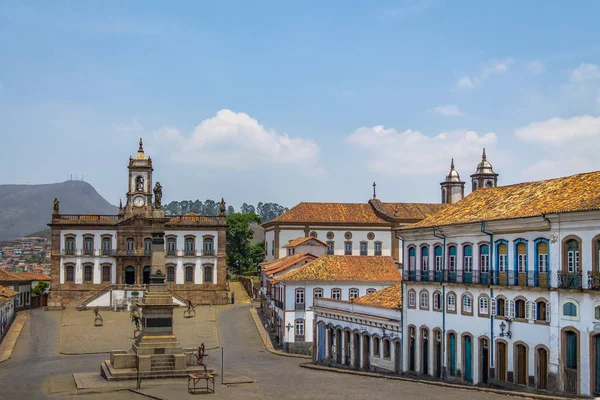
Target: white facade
292,301
357,336
7,315
335,234
550,260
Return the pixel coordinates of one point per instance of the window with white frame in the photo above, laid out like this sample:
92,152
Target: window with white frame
572,256
353,293
570,310
437,300
438,258
521,257
483,305
502,257
299,330
485,258
318,292
424,296
452,258
412,302
412,259
468,259
371,290
299,296
336,294
424,259
467,304
451,302
542,248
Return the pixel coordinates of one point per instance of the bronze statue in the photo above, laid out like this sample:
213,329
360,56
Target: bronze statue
222,206
135,318
98,321
55,205
157,195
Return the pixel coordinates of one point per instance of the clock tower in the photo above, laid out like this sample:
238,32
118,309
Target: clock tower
139,193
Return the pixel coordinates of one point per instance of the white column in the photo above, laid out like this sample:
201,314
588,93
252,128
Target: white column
78,271
214,277
179,272
327,349
113,267
198,272
344,344
96,277
62,271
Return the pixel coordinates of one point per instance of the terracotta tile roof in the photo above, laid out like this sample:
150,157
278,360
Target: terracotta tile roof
569,194
284,263
31,276
412,211
6,294
7,277
390,297
302,240
331,213
346,268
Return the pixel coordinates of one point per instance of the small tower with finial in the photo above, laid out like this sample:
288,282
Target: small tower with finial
453,189
484,176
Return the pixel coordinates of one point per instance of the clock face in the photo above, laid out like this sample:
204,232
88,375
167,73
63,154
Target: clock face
139,201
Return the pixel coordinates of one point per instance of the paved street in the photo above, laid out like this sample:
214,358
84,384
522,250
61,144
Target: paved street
80,336
36,361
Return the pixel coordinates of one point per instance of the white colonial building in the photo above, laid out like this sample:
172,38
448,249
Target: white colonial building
365,229
363,333
291,294
502,287
98,260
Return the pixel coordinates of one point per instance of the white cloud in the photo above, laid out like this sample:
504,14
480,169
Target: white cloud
556,131
497,67
536,67
448,110
236,141
566,145
412,152
581,90
585,73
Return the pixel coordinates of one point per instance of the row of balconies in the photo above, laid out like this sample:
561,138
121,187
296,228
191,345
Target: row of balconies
134,253
565,280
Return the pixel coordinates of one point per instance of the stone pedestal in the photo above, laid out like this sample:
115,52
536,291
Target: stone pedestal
156,353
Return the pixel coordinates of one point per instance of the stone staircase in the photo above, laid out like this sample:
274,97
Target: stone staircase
241,296
163,363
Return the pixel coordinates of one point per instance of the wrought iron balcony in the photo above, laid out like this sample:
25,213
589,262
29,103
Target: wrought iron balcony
190,252
208,253
108,253
593,280
475,277
300,306
172,252
569,280
88,252
69,252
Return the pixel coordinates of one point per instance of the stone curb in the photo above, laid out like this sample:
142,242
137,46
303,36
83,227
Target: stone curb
266,339
11,338
434,383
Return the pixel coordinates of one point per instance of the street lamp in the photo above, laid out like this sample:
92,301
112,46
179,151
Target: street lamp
503,327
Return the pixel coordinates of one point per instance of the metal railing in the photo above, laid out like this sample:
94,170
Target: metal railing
190,252
108,253
171,252
593,280
300,306
208,253
499,278
570,280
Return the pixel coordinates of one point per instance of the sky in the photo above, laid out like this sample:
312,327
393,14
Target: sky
298,101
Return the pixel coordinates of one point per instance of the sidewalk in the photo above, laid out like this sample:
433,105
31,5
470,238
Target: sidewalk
10,340
430,382
266,339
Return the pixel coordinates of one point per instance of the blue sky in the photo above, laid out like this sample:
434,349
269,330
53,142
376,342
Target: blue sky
298,101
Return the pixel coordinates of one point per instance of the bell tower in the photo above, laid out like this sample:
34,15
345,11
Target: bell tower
484,176
139,193
453,189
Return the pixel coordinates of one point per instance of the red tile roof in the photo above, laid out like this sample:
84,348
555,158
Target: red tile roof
331,212
8,277
286,262
390,297
569,194
32,276
6,294
346,268
301,240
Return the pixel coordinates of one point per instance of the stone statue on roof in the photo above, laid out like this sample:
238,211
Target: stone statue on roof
157,196
56,206
222,206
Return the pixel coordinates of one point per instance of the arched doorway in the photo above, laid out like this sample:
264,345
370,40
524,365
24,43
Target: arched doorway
570,358
484,348
520,364
397,357
468,357
424,351
367,352
437,354
541,368
146,275
130,275
411,350
452,353
356,350
347,341
501,360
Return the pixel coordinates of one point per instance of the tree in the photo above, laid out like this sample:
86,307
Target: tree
241,254
40,288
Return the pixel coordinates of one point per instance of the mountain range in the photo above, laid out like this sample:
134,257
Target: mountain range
25,209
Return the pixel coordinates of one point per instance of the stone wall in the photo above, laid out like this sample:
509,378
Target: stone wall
298,348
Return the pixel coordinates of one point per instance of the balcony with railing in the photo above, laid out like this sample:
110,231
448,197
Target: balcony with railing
593,280
497,278
190,252
89,252
208,253
69,252
171,252
300,307
570,280
108,253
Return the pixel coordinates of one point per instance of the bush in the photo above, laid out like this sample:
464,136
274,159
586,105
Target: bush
40,288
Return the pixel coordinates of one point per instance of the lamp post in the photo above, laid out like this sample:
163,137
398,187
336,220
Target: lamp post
504,327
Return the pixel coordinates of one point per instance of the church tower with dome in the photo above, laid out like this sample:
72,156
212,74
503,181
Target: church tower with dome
484,176
453,189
